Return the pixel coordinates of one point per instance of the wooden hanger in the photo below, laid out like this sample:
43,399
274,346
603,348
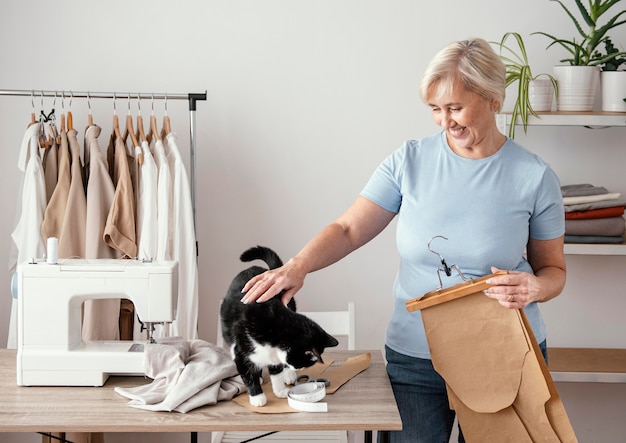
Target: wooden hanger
166,128
459,290
131,132
116,120
62,119
89,116
70,119
116,126
62,129
141,135
154,131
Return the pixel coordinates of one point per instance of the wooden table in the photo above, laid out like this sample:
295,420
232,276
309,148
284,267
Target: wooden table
364,403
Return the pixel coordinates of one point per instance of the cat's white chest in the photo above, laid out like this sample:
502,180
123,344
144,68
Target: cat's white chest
265,355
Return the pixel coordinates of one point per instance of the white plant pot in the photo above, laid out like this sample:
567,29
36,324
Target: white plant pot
613,91
541,94
578,87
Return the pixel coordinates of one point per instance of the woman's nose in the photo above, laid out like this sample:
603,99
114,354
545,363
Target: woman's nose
446,121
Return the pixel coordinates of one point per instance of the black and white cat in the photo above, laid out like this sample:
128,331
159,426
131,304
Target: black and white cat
268,334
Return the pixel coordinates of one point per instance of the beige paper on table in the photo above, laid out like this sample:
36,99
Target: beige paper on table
496,377
338,376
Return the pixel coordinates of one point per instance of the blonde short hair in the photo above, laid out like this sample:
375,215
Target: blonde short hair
472,62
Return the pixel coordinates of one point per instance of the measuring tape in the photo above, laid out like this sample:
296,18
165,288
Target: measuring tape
306,397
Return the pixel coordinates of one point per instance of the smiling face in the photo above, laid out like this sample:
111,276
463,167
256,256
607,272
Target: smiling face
468,119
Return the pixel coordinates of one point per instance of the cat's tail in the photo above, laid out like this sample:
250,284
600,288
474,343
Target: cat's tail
262,253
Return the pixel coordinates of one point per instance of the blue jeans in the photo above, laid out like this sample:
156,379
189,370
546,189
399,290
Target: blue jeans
422,399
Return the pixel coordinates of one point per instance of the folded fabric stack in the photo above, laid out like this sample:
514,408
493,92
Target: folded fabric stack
593,214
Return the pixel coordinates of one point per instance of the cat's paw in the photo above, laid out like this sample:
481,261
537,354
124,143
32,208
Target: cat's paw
289,376
278,384
258,400
281,392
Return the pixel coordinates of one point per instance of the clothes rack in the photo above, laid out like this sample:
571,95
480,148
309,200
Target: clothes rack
191,97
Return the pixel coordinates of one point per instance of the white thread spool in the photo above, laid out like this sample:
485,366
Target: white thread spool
52,253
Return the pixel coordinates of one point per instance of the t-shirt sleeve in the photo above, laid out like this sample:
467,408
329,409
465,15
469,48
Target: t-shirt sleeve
548,219
383,187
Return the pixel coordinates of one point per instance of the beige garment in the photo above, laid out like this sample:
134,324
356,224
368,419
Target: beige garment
50,160
57,203
73,234
100,317
496,378
120,231
100,193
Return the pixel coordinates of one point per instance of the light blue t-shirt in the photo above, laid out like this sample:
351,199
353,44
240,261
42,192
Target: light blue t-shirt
487,208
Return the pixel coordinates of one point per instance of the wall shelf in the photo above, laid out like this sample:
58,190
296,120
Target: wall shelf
595,249
591,365
586,119
591,119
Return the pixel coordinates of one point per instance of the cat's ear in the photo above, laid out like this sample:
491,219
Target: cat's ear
331,341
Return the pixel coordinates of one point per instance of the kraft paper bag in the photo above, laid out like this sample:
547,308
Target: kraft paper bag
495,374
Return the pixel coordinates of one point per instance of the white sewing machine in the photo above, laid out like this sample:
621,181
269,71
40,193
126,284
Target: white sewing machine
50,349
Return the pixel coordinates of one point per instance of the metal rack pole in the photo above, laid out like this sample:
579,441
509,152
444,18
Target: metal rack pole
191,97
89,94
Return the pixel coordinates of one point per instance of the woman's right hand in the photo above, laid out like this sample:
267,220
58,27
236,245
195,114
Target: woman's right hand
263,287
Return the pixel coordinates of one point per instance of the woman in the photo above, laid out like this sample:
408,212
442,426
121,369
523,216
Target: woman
498,204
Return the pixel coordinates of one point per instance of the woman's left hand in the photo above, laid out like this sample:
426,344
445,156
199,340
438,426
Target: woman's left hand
513,290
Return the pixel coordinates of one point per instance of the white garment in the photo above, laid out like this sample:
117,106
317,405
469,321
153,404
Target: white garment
186,375
183,244
27,235
591,198
147,206
164,203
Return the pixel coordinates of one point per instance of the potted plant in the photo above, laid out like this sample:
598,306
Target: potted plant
534,94
585,58
613,80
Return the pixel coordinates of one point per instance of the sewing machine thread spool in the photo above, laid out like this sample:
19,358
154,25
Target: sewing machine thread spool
52,251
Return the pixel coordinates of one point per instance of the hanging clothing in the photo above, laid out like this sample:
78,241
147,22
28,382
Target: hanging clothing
183,244
147,206
100,317
55,211
164,203
72,242
146,202
27,236
50,159
120,230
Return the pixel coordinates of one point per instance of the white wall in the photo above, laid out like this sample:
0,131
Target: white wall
304,99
